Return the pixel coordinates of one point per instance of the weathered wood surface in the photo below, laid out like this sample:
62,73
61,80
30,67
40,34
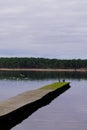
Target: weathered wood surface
14,103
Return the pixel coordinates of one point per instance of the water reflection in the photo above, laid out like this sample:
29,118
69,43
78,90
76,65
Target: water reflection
29,75
67,105
19,115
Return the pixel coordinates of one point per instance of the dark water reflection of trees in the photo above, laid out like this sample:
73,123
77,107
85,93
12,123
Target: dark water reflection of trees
29,75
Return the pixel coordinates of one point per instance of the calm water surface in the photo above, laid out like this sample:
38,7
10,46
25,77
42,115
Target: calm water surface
66,112
10,88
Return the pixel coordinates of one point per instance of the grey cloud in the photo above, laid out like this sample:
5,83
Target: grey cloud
49,28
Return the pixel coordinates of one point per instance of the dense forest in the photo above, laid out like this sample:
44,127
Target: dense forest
42,63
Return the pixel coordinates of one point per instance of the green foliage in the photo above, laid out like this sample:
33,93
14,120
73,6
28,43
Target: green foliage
42,63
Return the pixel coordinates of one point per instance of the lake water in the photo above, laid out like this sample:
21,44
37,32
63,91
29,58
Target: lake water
66,112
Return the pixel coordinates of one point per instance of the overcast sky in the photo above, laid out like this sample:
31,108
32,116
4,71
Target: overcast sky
43,28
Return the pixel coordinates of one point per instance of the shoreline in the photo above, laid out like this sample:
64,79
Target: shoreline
43,70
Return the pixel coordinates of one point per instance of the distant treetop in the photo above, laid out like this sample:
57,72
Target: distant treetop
42,63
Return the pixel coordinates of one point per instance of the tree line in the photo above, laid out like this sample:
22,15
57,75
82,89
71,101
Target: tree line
42,63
